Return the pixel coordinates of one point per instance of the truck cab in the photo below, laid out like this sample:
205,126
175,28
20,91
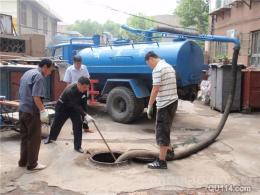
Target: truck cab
66,51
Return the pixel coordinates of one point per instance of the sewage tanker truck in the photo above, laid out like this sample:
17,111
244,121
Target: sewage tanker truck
125,80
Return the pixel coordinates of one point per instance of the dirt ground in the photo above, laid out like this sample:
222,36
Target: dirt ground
232,163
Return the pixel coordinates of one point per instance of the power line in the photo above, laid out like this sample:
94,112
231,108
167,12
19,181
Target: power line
148,19
142,17
116,10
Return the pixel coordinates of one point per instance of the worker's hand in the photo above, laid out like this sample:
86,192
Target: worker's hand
149,111
89,118
44,116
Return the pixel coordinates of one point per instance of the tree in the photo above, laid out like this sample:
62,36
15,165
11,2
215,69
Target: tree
137,22
112,27
194,13
87,27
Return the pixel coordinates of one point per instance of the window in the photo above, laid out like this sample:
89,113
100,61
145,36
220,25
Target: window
45,25
58,53
23,10
53,28
221,50
34,20
6,25
255,57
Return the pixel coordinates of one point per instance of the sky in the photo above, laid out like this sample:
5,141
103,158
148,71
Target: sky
71,10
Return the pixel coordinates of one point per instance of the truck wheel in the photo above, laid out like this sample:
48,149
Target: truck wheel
122,105
140,108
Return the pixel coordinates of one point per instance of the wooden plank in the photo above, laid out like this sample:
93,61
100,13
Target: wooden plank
9,103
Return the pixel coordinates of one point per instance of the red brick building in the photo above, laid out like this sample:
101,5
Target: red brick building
239,18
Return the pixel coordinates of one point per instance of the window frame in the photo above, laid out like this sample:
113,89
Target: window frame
255,48
45,25
35,18
23,14
53,28
221,49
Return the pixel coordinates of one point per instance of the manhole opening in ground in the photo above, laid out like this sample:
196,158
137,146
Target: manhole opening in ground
106,159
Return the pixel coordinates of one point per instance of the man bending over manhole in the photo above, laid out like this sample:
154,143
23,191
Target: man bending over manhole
72,104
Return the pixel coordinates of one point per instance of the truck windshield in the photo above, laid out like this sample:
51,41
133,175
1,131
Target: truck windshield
58,53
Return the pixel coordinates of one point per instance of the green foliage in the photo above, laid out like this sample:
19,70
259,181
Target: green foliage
194,13
86,27
89,27
137,22
112,27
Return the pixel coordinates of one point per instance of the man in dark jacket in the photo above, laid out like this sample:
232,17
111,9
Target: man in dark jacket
72,104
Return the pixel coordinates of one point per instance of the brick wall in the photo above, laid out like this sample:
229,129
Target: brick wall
244,20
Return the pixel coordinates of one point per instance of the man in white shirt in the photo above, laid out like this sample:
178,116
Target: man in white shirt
77,70
164,91
72,75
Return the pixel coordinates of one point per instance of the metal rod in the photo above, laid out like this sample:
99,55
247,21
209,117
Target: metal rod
104,141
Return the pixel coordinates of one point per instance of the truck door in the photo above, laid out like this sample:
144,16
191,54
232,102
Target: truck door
58,53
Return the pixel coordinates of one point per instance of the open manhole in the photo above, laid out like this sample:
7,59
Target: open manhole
106,159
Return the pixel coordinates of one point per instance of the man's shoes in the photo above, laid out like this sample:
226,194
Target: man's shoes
80,150
88,131
21,165
47,140
170,155
158,164
37,168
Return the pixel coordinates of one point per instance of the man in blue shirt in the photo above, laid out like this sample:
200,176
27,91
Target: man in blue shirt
32,112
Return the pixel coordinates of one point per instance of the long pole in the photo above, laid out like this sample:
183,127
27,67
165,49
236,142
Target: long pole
104,141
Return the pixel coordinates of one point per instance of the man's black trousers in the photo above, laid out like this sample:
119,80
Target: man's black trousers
62,113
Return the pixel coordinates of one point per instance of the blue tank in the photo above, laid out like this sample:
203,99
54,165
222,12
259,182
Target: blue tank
127,61
125,80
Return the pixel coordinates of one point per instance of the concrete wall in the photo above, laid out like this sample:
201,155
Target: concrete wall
168,19
242,19
9,7
28,28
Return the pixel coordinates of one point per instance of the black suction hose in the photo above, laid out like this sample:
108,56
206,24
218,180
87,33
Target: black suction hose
205,143
175,31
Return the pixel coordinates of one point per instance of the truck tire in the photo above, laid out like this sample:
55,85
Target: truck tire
139,109
123,106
